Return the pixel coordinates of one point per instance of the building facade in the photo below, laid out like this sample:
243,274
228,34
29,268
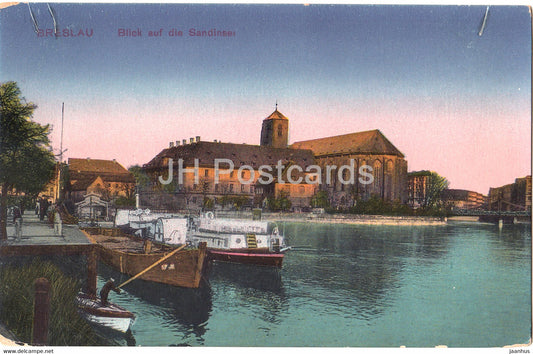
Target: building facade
511,197
464,199
380,168
348,167
216,174
105,178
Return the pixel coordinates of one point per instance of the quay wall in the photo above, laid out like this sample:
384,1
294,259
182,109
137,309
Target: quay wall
339,218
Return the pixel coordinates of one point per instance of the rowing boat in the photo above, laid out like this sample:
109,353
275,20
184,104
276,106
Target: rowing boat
109,315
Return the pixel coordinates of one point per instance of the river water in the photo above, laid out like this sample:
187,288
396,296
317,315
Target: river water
460,285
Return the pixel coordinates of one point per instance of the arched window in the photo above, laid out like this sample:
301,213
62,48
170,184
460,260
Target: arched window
280,130
377,176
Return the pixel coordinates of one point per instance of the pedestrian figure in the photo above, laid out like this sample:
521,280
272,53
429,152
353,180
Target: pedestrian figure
110,285
17,220
44,208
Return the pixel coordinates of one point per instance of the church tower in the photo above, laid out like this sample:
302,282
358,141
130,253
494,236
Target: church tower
275,130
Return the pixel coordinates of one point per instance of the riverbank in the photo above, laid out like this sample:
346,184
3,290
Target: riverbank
338,218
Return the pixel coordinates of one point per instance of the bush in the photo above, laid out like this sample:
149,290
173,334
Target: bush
16,305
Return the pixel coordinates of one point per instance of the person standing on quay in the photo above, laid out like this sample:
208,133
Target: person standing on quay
17,220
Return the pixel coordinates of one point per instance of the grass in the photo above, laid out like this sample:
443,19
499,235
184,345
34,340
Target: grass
66,328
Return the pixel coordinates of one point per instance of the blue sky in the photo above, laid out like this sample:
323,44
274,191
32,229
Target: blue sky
452,101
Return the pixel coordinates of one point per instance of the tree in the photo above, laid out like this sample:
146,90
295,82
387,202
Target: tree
142,180
26,159
435,184
320,200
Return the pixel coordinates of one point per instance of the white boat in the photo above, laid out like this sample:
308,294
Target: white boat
142,221
240,241
109,315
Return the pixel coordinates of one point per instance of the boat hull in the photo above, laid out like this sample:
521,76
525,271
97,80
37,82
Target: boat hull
110,316
247,256
185,268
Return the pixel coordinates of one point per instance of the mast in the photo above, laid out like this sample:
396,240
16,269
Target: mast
61,142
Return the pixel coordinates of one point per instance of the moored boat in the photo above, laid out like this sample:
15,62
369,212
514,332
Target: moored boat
109,315
240,241
136,257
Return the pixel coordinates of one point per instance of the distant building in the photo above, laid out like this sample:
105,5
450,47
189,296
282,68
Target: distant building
368,148
511,197
463,199
106,178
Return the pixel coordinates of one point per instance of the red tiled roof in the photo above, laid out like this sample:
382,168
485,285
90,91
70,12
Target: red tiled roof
239,154
276,115
83,172
371,142
96,166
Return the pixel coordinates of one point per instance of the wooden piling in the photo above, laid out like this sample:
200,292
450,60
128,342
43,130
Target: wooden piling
41,311
92,271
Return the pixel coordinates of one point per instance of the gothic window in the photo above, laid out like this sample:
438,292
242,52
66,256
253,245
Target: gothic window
377,175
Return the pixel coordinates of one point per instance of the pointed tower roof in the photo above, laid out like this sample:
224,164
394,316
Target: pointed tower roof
276,115
371,142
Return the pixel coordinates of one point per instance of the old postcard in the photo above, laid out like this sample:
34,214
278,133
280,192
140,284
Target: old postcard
253,175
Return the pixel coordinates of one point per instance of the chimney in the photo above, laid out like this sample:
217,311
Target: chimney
192,140
171,144
184,141
215,140
197,138
177,143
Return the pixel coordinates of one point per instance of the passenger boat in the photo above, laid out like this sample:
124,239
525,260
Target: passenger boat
240,241
228,240
110,315
131,255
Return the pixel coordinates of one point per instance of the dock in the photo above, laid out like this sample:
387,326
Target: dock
41,238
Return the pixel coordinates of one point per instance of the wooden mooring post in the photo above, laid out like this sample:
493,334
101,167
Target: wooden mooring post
41,311
92,271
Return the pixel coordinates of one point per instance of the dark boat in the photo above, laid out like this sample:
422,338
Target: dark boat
247,256
109,315
133,256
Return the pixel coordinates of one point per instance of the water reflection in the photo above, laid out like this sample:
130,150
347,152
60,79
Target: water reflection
358,268
260,288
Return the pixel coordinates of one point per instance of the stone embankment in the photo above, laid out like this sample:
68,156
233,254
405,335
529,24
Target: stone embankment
340,218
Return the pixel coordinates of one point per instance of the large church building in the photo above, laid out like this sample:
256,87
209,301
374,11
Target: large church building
298,171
